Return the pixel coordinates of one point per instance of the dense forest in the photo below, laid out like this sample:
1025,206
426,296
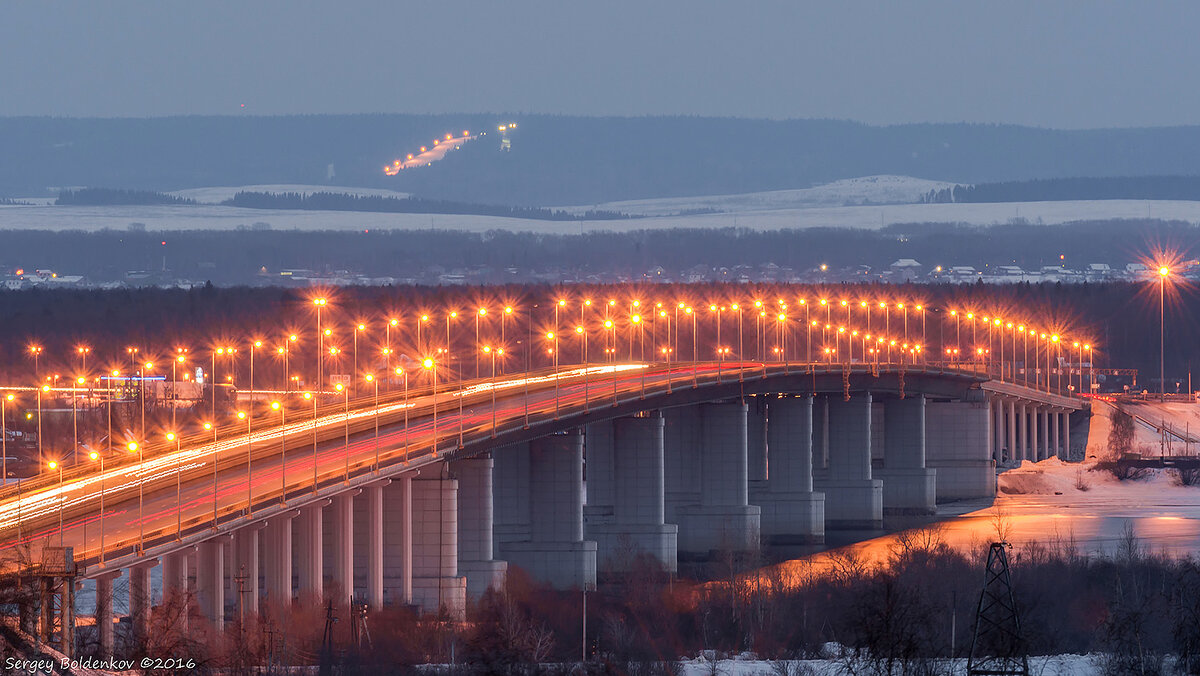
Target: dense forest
244,256
111,197
560,160
1057,189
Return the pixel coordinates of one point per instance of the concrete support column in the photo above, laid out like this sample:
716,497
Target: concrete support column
820,431
756,441
139,600
104,612
309,562
375,547
853,499
909,487
475,516
1055,425
342,546
1022,433
277,552
175,586
511,495
555,551
246,570
1044,428
210,581
724,519
1013,450
398,540
1035,449
1066,435
637,525
436,584
791,513
681,444
956,445
998,447
600,478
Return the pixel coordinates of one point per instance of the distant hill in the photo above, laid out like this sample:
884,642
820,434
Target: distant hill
561,160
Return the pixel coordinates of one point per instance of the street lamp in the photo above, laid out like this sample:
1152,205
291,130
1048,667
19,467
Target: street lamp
36,351
308,396
354,367
55,465
1163,273
278,406
492,353
96,456
243,415
171,436
370,378
42,389
4,436
320,303
430,366
135,447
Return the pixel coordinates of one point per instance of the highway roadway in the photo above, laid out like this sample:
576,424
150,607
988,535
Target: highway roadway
169,497
171,494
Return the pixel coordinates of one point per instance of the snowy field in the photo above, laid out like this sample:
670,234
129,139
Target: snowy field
852,191
838,204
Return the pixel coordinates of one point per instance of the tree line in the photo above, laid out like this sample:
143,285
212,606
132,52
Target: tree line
1060,189
333,201
116,197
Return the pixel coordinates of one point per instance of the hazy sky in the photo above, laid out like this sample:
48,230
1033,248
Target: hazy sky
1047,63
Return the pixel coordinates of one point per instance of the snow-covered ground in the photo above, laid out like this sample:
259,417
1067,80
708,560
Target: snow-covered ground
847,192
820,207
213,217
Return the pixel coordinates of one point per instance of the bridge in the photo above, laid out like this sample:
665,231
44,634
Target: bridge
425,497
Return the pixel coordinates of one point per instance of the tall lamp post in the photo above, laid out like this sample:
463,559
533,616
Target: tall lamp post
1163,273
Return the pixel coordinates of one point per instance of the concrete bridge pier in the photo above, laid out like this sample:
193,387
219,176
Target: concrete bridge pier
139,598
1022,432
723,519
104,612
175,586
909,487
210,581
957,437
395,515
791,512
475,509
1054,450
637,523
1013,443
244,566
1044,427
309,542
853,498
539,523
436,584
277,561
1066,435
339,539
